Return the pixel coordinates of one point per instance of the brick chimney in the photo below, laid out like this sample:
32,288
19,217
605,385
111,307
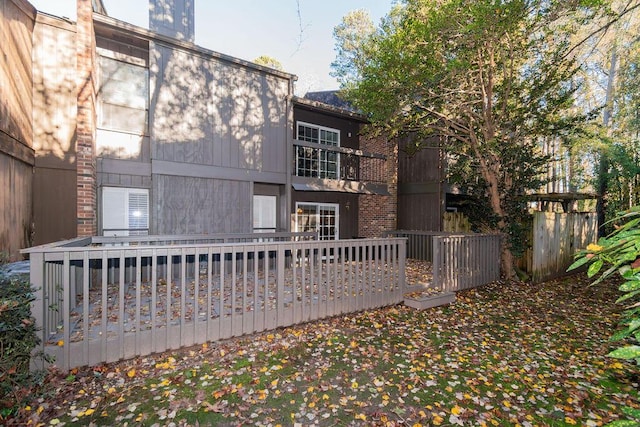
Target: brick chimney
173,18
86,121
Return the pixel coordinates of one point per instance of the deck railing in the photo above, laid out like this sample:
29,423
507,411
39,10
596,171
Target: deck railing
326,161
104,299
459,261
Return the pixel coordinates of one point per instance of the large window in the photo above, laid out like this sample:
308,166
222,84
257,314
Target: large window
123,98
125,211
321,218
317,162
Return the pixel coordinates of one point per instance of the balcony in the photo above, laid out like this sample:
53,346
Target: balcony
320,167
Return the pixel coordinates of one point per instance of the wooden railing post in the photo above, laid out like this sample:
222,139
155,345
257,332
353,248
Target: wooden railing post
402,262
38,305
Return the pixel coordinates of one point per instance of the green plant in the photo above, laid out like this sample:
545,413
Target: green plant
620,252
17,340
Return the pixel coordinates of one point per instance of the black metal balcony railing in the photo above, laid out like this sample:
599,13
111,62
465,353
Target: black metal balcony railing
329,162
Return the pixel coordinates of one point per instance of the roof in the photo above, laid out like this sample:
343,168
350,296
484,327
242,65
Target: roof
331,97
330,108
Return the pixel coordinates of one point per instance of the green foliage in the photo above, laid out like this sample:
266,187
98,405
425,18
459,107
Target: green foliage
620,253
269,61
17,340
489,79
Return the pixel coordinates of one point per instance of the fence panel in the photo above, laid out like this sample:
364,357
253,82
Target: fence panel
465,261
459,261
101,303
556,237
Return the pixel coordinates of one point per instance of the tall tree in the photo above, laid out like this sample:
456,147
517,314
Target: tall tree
489,77
351,36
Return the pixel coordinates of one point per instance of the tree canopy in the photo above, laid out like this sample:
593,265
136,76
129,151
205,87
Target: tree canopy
489,78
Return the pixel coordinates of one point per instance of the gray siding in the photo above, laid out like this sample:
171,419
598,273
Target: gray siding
186,205
55,110
16,137
211,112
420,192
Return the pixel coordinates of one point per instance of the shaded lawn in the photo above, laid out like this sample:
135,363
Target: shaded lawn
504,354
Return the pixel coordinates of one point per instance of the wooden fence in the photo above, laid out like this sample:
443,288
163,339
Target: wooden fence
555,237
105,299
459,261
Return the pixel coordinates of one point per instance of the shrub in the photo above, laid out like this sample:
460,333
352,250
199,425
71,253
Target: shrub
620,253
17,340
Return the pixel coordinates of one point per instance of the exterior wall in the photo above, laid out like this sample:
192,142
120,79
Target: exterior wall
211,112
348,217
189,205
173,18
16,132
55,112
420,189
86,121
349,128
378,213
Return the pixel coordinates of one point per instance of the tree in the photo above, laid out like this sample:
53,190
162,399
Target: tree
269,61
351,36
489,78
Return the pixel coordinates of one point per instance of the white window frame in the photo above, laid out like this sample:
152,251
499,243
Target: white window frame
119,223
319,171
265,204
318,207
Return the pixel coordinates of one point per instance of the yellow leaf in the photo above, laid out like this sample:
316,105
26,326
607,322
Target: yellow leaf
60,343
506,403
456,410
570,420
353,344
362,417
437,420
120,399
89,412
311,405
131,373
594,248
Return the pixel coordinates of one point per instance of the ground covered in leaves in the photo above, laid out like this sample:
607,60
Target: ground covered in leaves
505,354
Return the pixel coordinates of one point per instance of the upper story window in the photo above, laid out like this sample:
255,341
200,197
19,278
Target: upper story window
317,162
123,98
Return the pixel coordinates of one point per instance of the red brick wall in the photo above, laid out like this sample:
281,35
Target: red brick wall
379,213
85,129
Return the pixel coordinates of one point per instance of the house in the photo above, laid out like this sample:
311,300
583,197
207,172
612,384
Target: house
113,129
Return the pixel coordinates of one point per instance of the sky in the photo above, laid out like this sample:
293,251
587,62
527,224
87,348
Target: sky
303,42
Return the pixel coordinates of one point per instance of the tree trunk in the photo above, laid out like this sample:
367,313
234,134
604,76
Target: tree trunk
603,166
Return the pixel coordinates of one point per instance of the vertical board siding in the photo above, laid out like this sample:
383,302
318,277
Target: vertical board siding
16,182
208,111
16,28
189,205
106,303
556,238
